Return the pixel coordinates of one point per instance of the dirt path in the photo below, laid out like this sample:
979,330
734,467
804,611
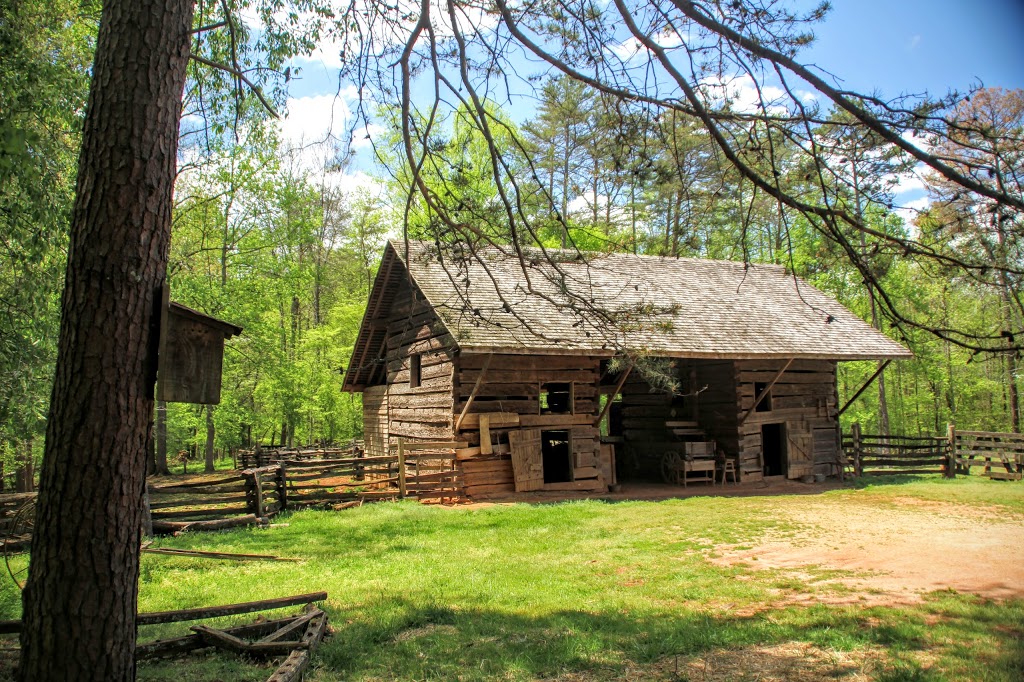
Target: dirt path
897,550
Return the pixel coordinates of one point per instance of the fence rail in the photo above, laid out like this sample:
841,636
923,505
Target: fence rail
1000,454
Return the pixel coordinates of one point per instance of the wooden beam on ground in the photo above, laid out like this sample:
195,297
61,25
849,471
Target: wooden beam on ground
292,668
611,396
476,388
878,372
766,390
215,555
180,645
227,609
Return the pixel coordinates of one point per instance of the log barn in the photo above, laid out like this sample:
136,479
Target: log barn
551,370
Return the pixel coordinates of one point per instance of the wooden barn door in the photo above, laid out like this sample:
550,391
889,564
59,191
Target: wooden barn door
801,448
527,461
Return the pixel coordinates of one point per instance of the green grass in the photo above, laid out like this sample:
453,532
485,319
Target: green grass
577,590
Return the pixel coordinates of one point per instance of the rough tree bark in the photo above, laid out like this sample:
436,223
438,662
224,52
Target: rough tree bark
81,598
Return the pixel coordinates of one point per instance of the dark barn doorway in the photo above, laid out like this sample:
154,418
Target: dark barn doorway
555,447
773,449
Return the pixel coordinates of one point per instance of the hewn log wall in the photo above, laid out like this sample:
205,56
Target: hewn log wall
804,399
646,438
375,420
424,412
511,385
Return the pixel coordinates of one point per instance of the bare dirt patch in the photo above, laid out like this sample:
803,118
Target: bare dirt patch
896,552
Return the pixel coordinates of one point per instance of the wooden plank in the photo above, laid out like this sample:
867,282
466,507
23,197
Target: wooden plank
472,361
902,472
471,422
227,609
485,434
468,454
555,420
593,484
292,668
477,490
526,459
485,466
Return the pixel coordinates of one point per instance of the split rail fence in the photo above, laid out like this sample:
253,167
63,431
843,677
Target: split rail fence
1000,455
291,479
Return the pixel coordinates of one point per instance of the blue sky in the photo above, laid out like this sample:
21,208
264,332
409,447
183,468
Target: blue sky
886,47
906,46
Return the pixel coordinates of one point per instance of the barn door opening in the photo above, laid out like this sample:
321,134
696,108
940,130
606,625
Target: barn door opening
773,449
556,453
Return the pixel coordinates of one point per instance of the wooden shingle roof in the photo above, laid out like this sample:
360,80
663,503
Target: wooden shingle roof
602,304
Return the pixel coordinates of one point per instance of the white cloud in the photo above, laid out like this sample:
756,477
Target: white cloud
743,92
909,182
356,182
315,119
631,47
911,209
366,136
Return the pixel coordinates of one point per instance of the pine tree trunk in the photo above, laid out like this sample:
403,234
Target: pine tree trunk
81,598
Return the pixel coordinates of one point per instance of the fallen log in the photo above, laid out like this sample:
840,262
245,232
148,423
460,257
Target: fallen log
214,524
227,609
216,555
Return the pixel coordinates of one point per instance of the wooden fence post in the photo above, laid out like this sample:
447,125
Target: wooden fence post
401,468
855,433
281,481
360,467
260,502
951,450
147,515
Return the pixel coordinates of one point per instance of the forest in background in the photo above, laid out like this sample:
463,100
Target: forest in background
265,241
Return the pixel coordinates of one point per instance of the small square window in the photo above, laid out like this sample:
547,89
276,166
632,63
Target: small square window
766,403
557,398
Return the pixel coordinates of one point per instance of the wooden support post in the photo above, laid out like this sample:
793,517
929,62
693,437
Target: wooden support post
401,468
281,481
950,450
767,389
611,396
863,388
472,395
258,479
485,435
855,433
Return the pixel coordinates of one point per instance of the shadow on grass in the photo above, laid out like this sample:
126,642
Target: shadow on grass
406,640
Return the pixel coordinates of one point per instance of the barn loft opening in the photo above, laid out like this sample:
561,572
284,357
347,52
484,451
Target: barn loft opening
556,453
556,398
773,449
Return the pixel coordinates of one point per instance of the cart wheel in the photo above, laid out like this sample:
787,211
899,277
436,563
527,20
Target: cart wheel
15,539
671,467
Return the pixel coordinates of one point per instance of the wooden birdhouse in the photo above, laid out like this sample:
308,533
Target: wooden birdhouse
191,355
